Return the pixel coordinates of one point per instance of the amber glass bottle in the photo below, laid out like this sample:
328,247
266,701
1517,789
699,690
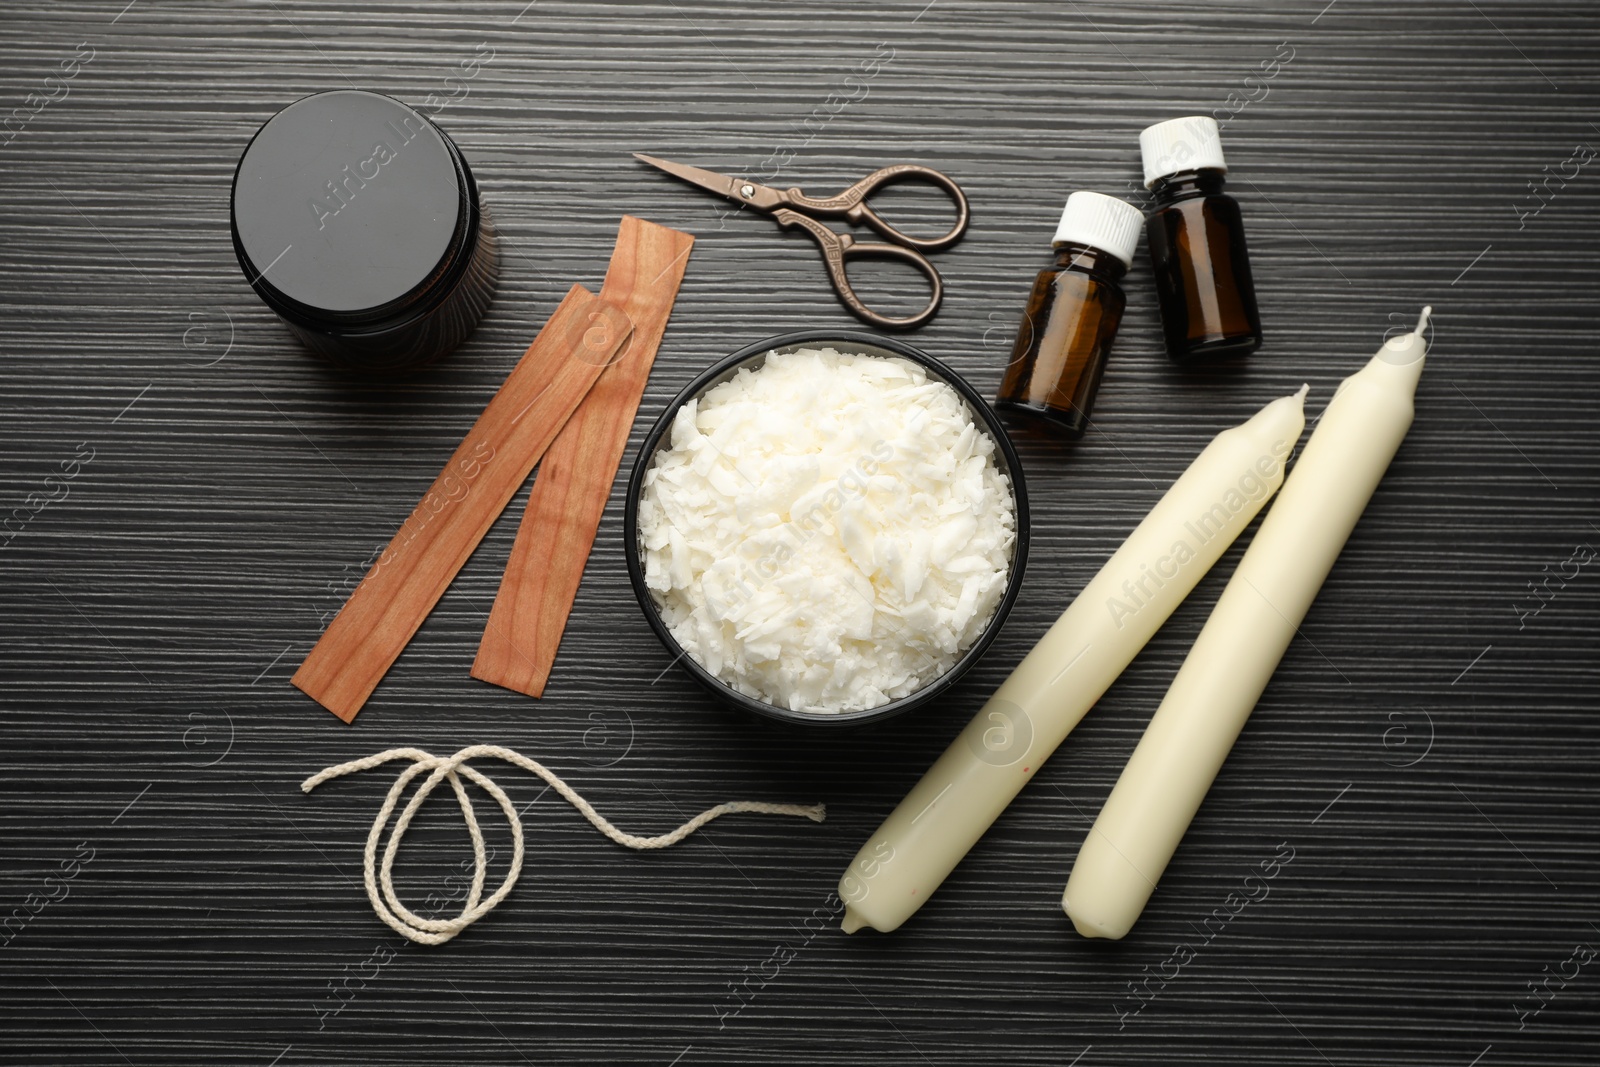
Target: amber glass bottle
1072,314
1197,248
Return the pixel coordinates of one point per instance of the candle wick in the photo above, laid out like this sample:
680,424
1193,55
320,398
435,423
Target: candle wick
1422,322
445,769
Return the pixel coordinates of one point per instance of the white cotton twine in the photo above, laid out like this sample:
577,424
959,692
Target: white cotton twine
437,931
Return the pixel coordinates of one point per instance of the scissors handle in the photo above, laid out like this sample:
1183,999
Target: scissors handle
837,248
852,206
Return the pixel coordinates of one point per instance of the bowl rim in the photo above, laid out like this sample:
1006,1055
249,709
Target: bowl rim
723,370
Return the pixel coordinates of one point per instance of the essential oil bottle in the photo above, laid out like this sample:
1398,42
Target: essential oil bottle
1197,250
1073,314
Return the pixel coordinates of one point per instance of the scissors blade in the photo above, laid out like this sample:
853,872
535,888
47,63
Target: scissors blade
759,196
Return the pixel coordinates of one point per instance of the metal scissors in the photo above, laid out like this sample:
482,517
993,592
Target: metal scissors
791,207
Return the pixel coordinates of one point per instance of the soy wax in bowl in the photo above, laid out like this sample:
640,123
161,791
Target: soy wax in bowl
827,528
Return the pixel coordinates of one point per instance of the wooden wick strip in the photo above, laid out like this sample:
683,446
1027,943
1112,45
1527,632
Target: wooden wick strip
574,481
578,341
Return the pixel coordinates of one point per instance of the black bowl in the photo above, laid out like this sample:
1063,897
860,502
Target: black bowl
844,341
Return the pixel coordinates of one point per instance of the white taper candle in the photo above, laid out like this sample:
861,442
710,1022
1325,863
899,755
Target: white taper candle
1077,659
1257,615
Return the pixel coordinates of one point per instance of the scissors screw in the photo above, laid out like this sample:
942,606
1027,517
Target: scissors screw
747,190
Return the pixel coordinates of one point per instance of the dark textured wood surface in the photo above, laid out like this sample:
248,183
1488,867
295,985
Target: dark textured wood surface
1428,748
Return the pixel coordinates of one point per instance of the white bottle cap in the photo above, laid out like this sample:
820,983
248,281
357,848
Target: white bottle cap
1179,145
1101,221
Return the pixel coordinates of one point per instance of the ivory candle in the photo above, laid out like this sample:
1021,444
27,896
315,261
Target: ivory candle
1072,665
1238,649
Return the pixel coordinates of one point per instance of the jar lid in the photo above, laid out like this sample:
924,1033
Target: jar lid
346,201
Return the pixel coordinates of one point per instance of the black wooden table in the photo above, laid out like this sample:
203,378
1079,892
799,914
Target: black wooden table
1426,751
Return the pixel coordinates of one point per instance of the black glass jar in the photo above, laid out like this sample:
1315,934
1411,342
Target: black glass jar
358,222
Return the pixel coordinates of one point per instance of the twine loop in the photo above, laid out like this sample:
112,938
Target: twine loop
379,879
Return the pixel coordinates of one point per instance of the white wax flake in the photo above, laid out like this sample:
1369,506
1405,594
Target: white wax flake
827,532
